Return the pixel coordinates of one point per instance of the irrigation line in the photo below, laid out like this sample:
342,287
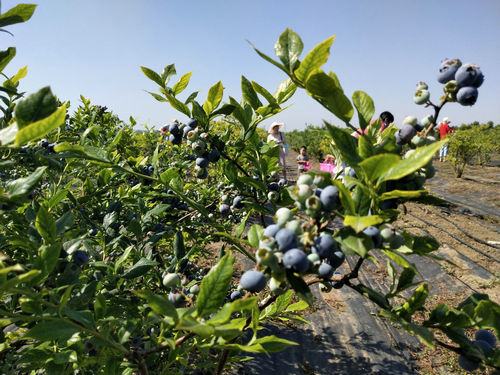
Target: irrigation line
467,234
455,237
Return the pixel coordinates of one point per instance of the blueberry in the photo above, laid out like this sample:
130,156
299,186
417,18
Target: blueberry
448,70
469,75
192,123
329,198
93,231
467,95
296,260
238,202
336,258
202,162
484,345
235,295
274,186
253,281
213,156
286,239
202,173
80,257
186,130
224,209
325,245
406,133
467,364
374,234
325,270
44,143
271,230
487,336
151,169
176,140
174,129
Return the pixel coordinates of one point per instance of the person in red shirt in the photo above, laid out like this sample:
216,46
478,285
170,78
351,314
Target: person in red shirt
444,130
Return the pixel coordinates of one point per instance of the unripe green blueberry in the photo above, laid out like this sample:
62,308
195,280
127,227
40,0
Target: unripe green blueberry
267,243
430,171
325,287
276,286
396,241
282,216
313,204
266,257
295,226
418,141
195,289
421,97
171,280
410,120
387,232
427,120
280,273
314,260
422,86
305,179
273,196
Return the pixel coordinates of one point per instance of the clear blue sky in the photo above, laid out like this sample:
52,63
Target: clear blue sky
384,47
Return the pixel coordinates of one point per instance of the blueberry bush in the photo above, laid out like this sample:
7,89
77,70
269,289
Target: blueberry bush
104,229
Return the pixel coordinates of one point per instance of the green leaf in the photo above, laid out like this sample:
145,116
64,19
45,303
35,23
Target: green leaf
405,279
249,94
365,146
177,104
266,344
159,303
285,91
408,194
345,197
57,329
254,234
182,84
45,224
352,243
6,56
167,73
188,323
270,60
40,128
157,96
84,152
300,287
57,198
19,13
198,112
288,49
323,88
346,145
179,248
24,186
214,97
225,313
358,223
423,334
85,318
314,59
398,259
100,306
153,76
365,106
487,315
374,296
214,286
35,107
225,110
262,91
415,161
139,269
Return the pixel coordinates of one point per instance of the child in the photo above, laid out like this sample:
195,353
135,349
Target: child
303,160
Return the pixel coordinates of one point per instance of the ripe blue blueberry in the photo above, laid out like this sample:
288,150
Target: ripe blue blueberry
185,131
176,140
44,143
329,198
406,133
253,281
484,345
467,95
80,257
374,233
235,295
448,70
467,364
325,245
485,335
273,186
174,129
213,156
271,230
192,123
296,260
286,239
238,201
469,75
336,258
224,209
93,231
202,162
325,270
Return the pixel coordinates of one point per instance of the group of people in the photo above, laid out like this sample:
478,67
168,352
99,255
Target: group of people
303,163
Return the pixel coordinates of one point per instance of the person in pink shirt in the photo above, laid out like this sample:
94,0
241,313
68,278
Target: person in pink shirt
386,119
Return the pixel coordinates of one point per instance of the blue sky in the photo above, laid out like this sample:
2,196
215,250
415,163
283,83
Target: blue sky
384,47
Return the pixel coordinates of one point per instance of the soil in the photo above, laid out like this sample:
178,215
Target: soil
346,336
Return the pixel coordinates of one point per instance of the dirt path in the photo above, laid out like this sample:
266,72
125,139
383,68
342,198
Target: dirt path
345,335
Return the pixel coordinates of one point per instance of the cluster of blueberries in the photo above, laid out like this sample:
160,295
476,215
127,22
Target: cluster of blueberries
197,140
186,285
486,342
461,80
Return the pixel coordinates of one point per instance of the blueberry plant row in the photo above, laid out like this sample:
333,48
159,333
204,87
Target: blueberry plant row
104,230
